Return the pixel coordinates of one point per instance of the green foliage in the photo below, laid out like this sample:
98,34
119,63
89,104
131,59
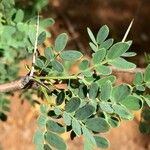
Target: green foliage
90,103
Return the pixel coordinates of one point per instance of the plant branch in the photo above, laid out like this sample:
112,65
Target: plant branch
15,85
35,48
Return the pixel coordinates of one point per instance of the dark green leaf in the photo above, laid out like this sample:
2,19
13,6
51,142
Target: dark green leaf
132,103
120,92
121,63
76,127
84,112
71,55
93,90
91,36
102,34
101,142
73,104
147,74
60,98
107,44
60,42
106,89
97,124
41,38
117,50
103,70
54,126
99,56
55,141
57,66
123,112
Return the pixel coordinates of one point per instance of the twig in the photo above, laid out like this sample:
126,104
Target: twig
35,48
128,30
15,85
133,71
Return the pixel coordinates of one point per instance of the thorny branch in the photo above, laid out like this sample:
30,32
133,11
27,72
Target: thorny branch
35,48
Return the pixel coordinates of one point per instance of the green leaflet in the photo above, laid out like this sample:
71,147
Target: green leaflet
132,103
99,56
103,70
106,89
54,126
76,127
123,112
84,65
107,44
47,22
41,38
84,112
128,54
107,107
55,141
41,121
103,80
91,36
114,122
102,34
117,50
57,66
70,55
97,124
82,92
73,104
147,74
39,63
138,79
93,90
101,142
60,42
19,16
121,63
120,92
67,118
48,53
38,137
93,47
88,135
